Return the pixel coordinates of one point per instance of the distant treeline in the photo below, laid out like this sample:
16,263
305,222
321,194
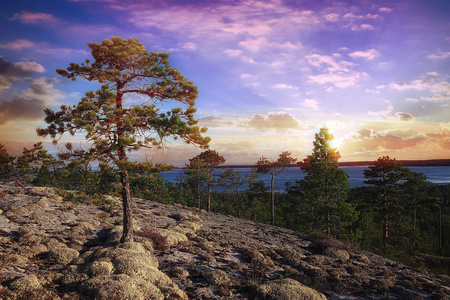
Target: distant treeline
406,163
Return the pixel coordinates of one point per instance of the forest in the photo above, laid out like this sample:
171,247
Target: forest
398,214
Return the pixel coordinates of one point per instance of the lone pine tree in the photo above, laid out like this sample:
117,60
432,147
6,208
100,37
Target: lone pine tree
325,188
274,168
124,114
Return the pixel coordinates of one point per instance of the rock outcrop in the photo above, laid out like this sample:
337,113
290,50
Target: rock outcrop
52,249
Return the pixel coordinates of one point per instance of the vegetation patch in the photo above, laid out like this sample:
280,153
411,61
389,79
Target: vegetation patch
159,240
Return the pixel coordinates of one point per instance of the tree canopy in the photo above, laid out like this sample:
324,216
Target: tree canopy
125,114
325,187
274,168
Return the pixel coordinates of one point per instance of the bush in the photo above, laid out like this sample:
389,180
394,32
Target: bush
159,240
323,241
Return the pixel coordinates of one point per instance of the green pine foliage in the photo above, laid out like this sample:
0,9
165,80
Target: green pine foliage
324,191
112,124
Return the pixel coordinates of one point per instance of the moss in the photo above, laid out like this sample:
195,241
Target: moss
53,243
291,257
29,282
173,237
12,259
62,256
253,256
287,289
336,253
98,268
33,250
180,272
121,286
216,277
133,265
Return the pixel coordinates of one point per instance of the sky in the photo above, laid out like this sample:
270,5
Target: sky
270,73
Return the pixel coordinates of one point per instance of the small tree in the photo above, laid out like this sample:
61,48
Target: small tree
274,168
6,162
38,166
202,166
398,192
114,126
233,180
325,187
386,175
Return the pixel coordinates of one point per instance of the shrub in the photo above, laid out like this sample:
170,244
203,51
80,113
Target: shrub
159,240
323,241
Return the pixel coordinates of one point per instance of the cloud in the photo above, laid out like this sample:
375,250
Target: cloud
441,138
439,91
437,98
254,45
310,103
380,142
404,116
439,55
185,46
245,75
382,113
19,69
338,72
385,9
274,120
352,16
10,71
362,27
213,121
17,45
329,63
20,108
29,104
339,79
282,86
33,17
368,54
233,52
333,17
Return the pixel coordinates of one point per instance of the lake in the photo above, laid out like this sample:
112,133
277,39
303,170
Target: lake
435,174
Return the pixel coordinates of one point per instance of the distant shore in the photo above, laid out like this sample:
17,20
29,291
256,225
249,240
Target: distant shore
407,163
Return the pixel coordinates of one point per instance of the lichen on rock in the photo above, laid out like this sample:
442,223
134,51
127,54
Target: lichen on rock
288,289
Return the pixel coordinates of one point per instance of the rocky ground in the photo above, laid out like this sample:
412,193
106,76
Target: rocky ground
54,249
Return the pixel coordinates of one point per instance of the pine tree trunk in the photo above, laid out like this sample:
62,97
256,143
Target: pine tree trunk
199,199
127,202
238,204
209,198
273,201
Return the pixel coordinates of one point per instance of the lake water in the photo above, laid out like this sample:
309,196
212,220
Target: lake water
435,174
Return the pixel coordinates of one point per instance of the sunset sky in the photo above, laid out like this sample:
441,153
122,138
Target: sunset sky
270,73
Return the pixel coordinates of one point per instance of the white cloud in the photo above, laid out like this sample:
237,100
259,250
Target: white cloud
245,75
233,52
282,86
17,45
274,120
439,54
332,17
362,27
33,18
386,9
340,79
330,63
254,45
310,103
437,98
368,54
382,113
